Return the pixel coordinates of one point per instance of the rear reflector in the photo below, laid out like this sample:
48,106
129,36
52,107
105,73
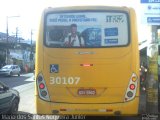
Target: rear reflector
87,110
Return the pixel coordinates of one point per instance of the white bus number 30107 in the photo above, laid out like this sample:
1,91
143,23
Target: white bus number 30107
64,80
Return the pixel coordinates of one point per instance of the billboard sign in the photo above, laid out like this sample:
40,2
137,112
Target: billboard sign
150,12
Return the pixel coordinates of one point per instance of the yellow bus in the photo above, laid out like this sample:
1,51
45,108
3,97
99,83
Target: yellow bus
87,61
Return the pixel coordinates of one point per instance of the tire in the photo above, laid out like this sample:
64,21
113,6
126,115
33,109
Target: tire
11,73
18,74
14,107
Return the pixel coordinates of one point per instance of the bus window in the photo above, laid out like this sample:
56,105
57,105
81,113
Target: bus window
92,29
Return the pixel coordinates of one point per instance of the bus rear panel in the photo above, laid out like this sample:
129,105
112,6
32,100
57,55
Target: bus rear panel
87,61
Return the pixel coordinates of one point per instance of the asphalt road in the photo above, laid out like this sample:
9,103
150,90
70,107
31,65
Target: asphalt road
15,81
25,85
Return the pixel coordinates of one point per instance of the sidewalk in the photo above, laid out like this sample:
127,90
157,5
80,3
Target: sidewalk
147,107
142,103
27,97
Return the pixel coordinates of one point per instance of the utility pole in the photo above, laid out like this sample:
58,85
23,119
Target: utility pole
7,36
7,40
7,25
17,35
7,28
31,55
31,36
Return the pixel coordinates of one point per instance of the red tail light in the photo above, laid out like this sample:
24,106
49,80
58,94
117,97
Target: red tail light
41,86
132,86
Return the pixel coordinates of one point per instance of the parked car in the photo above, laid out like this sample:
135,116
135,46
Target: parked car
9,70
9,100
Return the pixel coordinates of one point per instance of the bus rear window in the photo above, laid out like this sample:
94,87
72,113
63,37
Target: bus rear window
86,29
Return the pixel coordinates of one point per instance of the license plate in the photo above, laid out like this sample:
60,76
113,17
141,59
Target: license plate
86,92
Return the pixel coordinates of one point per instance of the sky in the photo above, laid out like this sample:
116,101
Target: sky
25,14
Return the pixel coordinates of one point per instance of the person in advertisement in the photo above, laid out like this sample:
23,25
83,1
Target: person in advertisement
74,39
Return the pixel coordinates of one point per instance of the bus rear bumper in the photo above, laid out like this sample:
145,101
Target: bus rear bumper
127,108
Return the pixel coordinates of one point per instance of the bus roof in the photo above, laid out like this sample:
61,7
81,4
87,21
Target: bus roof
71,8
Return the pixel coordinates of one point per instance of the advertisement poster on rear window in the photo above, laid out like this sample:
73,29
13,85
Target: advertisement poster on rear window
86,29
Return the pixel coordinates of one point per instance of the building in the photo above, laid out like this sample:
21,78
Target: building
17,51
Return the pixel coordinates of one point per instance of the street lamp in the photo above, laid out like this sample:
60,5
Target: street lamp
8,34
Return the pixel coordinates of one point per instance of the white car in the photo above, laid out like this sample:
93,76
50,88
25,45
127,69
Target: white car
10,70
